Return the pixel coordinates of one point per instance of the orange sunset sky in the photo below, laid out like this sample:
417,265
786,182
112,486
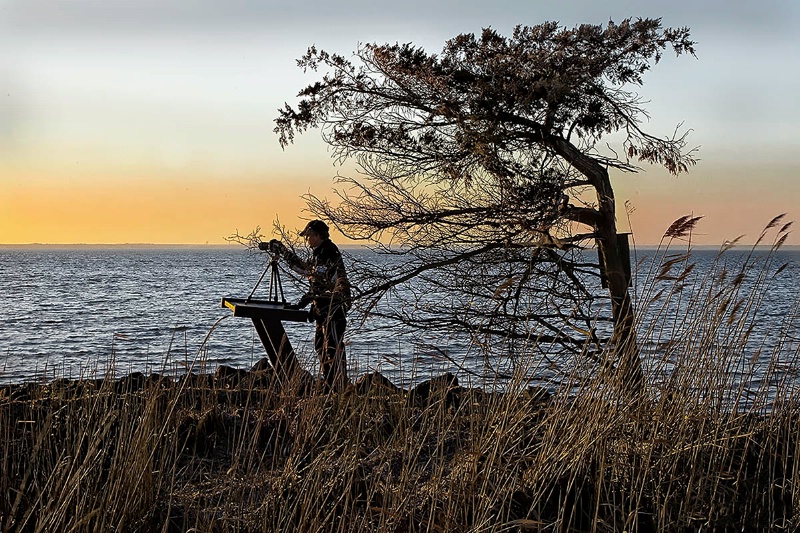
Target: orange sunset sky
151,121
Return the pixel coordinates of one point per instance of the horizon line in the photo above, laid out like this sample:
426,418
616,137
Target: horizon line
739,245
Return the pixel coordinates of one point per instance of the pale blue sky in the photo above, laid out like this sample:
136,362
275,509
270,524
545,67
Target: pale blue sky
177,85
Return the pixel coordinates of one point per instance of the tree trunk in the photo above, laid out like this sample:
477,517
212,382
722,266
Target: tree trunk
605,227
624,336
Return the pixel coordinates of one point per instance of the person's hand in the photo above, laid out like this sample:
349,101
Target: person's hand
302,303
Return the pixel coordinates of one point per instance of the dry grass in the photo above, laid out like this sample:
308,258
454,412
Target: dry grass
174,456
699,449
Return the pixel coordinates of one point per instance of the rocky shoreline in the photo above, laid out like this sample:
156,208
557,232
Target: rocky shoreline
227,378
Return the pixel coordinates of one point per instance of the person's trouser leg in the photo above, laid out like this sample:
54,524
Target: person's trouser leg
329,345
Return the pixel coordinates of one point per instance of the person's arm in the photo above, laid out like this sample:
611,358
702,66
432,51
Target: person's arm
295,263
291,258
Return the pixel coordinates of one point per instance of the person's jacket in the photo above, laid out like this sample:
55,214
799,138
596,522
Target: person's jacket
329,288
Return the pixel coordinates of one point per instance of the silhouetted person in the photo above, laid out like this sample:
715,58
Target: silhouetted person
329,294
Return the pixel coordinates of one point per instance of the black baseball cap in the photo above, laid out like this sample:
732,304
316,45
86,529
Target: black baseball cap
317,226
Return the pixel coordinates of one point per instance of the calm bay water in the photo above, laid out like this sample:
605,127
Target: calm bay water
80,311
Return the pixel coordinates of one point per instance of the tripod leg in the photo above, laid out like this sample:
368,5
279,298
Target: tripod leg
257,283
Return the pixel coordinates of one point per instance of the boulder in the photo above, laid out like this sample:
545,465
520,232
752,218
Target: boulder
440,388
262,365
375,383
229,377
135,381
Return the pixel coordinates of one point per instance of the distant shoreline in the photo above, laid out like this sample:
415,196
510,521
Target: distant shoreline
235,246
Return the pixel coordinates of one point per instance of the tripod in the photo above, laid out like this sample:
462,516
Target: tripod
275,285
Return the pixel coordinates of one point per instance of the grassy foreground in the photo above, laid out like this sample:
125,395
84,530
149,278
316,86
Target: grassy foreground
235,452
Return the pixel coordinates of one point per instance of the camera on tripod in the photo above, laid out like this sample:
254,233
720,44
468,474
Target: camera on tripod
273,246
